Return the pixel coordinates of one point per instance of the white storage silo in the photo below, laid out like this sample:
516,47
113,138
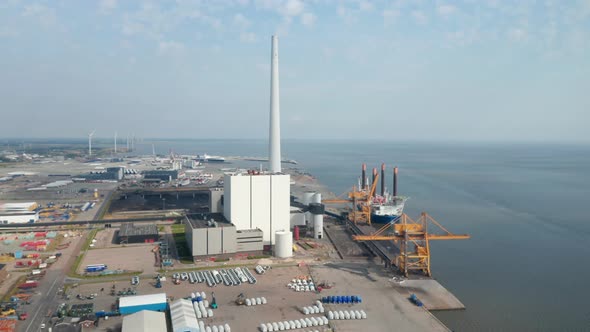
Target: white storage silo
317,198
283,244
318,226
307,197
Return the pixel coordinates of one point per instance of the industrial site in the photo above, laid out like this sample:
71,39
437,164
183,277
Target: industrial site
111,240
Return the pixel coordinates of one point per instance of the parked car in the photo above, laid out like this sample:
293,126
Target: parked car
184,276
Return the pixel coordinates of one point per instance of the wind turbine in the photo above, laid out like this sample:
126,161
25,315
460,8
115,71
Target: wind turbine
90,142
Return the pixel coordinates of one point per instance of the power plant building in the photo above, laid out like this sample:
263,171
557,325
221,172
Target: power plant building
211,235
258,201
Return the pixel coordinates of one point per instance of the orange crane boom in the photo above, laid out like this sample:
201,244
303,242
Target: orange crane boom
412,238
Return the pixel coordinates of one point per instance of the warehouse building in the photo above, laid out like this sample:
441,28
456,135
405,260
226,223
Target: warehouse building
145,321
183,317
131,233
258,201
212,235
161,175
132,304
111,173
18,213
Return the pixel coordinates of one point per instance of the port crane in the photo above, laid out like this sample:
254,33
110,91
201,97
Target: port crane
412,238
360,200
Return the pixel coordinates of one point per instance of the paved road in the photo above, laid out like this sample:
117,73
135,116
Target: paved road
46,299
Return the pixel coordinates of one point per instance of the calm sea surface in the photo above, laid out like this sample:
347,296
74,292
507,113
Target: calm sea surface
527,265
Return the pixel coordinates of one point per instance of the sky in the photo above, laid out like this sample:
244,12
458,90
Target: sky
467,71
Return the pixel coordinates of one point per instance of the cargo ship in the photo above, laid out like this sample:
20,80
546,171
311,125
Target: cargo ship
210,159
386,209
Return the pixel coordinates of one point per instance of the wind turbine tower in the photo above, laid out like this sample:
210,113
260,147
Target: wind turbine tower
90,143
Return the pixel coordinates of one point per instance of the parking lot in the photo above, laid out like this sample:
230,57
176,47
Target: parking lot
132,258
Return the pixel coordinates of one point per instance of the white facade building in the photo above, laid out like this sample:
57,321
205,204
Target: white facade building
258,201
144,321
18,218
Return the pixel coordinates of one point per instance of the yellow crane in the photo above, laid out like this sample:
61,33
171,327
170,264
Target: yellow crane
412,238
360,200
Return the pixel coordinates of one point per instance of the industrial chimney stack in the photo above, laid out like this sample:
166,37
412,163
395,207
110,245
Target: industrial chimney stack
275,120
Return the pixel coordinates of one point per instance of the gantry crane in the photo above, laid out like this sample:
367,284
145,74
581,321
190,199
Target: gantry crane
412,239
360,200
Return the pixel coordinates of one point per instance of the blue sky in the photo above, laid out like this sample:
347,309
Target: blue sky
388,70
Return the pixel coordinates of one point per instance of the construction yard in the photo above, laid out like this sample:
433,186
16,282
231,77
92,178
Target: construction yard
384,304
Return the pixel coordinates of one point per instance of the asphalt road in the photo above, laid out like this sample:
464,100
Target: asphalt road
44,301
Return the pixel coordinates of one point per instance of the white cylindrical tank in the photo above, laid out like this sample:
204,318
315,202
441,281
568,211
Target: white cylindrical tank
283,244
269,327
318,226
227,327
307,197
317,198
263,328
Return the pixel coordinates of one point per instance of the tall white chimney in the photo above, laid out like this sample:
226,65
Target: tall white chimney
275,119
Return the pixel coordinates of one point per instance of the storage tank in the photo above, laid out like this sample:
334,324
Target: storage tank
318,226
317,198
283,244
307,197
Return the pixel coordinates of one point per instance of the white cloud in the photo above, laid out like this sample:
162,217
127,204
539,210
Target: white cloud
419,17
446,10
293,8
517,34
107,5
170,48
241,21
389,16
46,16
365,5
308,19
248,37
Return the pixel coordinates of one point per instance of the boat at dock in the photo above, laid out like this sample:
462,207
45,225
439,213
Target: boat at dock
210,159
387,208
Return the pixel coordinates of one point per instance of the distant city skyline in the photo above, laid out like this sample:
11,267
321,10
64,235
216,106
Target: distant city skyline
373,70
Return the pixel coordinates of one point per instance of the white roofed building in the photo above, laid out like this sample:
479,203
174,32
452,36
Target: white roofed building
145,321
183,317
